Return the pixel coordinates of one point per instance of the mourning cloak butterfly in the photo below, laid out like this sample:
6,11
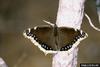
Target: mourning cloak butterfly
52,38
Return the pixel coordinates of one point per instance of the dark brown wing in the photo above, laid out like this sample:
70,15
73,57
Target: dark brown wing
69,36
44,36
63,40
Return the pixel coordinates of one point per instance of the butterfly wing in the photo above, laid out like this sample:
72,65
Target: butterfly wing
69,36
42,37
50,39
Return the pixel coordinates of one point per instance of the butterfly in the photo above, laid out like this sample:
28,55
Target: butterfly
51,39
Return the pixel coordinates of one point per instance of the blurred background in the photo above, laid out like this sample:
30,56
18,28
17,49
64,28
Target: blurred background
18,15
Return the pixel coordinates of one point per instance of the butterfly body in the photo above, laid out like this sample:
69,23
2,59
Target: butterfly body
53,38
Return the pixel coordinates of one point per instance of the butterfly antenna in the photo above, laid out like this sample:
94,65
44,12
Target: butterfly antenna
91,22
49,23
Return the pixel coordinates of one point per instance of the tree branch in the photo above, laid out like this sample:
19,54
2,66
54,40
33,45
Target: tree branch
70,14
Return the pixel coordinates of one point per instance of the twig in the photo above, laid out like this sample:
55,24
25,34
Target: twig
91,22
